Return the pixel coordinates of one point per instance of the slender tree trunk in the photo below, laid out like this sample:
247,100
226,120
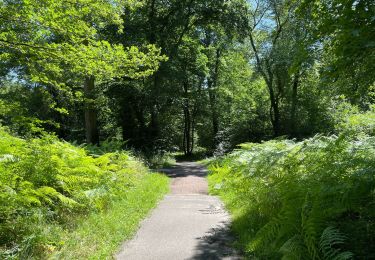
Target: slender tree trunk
91,125
187,122
187,131
184,133
293,115
152,33
265,69
276,119
214,118
192,134
212,84
274,104
154,128
274,111
193,123
187,119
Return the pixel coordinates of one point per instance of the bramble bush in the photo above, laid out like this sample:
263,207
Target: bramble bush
313,199
45,184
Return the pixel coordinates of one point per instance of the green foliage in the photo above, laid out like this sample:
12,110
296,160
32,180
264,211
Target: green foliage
99,235
301,200
45,184
200,76
26,111
345,29
347,118
161,160
50,37
331,238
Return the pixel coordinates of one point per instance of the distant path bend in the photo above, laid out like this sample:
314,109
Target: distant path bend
187,224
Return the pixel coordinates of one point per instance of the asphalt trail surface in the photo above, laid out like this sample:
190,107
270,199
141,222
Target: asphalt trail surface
187,224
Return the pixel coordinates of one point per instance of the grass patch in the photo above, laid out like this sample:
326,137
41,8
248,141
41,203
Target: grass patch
100,235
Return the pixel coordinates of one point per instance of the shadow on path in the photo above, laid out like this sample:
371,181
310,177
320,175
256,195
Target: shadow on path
216,244
185,169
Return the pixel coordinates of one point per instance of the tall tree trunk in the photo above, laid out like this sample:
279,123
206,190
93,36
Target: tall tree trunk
187,145
293,116
154,122
188,142
214,117
192,133
274,111
154,127
184,135
193,123
187,122
276,119
212,84
91,118
187,131
265,69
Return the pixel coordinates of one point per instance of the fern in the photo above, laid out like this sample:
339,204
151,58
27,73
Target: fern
266,235
45,182
293,248
284,194
330,239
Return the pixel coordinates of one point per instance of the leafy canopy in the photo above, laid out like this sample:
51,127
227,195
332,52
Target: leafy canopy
48,37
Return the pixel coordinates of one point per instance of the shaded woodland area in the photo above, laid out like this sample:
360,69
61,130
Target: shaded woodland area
184,75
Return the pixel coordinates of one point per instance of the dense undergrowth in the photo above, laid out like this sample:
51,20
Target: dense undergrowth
52,191
313,199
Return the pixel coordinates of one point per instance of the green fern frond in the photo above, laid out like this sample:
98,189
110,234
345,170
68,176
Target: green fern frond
330,241
266,235
293,248
49,194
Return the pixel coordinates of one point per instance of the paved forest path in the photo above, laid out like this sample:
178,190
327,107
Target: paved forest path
187,224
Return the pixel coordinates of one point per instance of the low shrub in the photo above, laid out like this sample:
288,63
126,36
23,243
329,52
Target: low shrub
160,160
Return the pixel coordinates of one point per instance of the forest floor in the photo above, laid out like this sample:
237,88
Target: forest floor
187,224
